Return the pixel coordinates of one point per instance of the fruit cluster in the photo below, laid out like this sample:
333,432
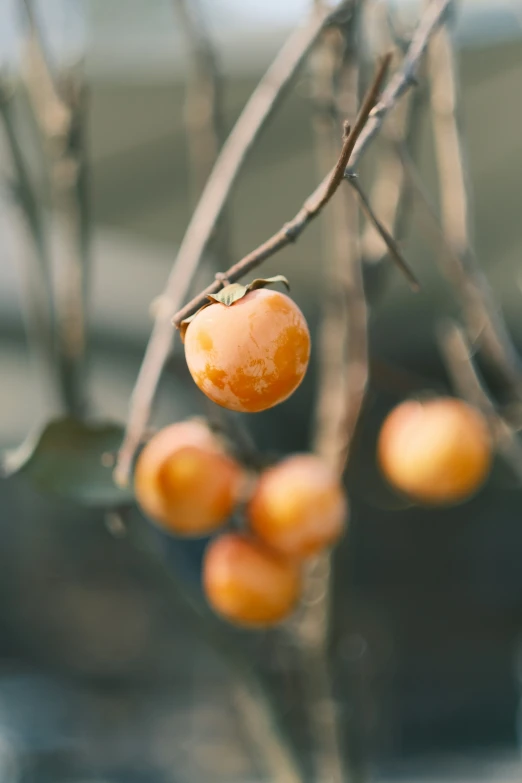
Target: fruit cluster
248,350
187,483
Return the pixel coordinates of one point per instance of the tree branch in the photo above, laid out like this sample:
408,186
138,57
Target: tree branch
485,324
52,112
70,191
311,208
383,232
254,117
403,80
39,291
391,194
335,85
61,119
203,118
459,361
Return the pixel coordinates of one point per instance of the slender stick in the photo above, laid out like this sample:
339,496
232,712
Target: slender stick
258,110
52,112
203,104
485,324
391,193
311,627
61,118
311,208
70,190
383,232
458,355
39,292
403,80
204,124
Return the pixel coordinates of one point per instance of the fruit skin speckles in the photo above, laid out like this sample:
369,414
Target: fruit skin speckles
437,452
251,355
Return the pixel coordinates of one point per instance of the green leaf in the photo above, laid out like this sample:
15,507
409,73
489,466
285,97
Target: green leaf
230,294
262,282
72,459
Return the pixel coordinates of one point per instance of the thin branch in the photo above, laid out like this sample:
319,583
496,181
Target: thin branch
485,324
253,119
70,190
335,85
61,119
204,121
403,80
39,293
51,110
203,115
391,194
311,208
383,232
459,361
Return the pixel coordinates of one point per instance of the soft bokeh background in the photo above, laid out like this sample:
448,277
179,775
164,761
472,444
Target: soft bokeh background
102,677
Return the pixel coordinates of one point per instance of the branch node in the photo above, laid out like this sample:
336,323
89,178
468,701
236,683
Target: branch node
221,277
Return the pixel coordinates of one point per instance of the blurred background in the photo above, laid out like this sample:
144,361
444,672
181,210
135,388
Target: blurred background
103,676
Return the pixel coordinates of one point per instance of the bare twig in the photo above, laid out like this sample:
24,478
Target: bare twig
313,205
391,193
335,86
204,117
51,110
485,324
61,120
203,103
69,177
247,129
459,361
39,293
403,80
383,232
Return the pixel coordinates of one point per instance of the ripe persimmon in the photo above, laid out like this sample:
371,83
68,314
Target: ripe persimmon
249,355
436,452
298,506
247,583
185,481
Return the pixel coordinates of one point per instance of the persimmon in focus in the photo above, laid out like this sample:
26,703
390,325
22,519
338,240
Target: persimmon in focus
437,452
298,506
247,583
184,480
250,355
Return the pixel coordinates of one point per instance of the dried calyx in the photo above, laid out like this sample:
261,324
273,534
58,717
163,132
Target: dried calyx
233,293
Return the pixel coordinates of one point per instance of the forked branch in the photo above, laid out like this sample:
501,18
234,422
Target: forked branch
485,325
311,208
459,362
403,80
253,119
218,188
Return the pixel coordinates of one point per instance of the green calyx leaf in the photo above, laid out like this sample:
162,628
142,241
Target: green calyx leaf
233,293
72,459
263,282
230,294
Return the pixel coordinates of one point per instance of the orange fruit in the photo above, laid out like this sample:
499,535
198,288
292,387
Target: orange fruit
184,480
437,452
251,355
247,583
298,506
